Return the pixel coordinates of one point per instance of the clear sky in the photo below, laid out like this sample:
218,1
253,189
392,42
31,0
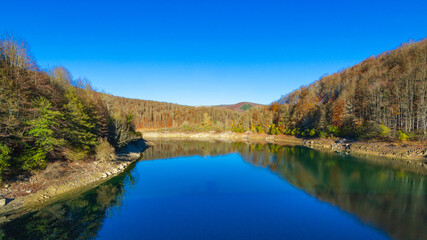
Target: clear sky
209,52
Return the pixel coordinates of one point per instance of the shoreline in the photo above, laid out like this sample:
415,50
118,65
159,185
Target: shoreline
82,176
411,156
225,136
26,195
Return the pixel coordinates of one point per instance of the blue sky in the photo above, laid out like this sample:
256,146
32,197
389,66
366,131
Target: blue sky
209,52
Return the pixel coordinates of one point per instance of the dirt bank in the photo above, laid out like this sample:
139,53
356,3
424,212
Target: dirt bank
409,154
227,136
62,179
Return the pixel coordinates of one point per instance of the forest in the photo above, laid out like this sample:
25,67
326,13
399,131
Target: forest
382,97
46,115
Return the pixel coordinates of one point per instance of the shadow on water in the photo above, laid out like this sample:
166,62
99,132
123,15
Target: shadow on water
389,199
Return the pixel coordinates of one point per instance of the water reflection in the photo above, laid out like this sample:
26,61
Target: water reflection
392,200
77,218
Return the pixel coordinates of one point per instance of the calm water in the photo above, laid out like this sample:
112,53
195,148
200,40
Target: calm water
217,190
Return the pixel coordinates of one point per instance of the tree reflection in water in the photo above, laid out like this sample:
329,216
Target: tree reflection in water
390,199
77,218
393,200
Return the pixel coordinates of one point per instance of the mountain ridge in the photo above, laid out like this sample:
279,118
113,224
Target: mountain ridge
240,106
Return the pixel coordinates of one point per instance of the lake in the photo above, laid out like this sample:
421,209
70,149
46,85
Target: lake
222,190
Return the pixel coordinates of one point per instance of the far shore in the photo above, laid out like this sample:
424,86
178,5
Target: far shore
412,155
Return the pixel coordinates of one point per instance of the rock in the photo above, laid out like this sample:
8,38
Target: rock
104,175
2,201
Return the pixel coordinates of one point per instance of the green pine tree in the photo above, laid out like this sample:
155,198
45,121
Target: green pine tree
82,121
45,130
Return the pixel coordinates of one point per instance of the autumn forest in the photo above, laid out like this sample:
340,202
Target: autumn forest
47,115
382,97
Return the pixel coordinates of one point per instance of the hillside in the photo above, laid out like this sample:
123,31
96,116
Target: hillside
48,116
240,107
383,96
154,115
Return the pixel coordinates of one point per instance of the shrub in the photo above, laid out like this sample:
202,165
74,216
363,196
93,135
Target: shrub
104,151
323,134
402,136
76,155
122,131
274,130
384,131
312,132
295,131
4,158
238,129
333,130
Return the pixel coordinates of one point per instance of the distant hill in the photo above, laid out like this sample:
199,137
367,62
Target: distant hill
240,107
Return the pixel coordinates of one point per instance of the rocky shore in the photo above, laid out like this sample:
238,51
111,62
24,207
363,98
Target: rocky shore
61,180
411,154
